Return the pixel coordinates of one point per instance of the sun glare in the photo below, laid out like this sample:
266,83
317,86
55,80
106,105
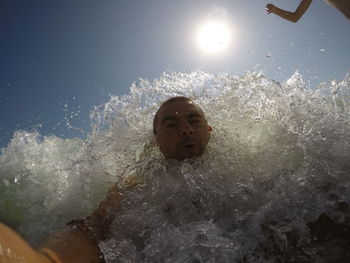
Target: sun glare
213,37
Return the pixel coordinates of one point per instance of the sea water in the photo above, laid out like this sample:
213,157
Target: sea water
272,186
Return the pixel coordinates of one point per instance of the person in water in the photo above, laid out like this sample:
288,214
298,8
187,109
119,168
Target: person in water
181,132
342,5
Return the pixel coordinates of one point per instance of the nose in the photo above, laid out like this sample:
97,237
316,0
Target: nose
186,128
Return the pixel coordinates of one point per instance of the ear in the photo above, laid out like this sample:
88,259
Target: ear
210,128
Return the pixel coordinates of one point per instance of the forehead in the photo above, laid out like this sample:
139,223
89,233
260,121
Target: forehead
179,108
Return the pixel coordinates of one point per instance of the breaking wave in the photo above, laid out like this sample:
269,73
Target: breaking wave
272,186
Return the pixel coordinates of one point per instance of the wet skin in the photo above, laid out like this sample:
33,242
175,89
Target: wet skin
182,130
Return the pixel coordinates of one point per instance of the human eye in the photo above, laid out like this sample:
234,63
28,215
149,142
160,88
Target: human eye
195,122
170,125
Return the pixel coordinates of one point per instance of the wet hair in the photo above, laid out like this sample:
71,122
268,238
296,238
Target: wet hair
173,99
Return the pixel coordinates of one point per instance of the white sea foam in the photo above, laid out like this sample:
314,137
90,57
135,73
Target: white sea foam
277,159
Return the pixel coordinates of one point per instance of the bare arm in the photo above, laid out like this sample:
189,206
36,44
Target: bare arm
75,243
66,246
71,245
14,249
78,241
290,16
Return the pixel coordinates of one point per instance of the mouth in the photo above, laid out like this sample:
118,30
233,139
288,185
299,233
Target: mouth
190,147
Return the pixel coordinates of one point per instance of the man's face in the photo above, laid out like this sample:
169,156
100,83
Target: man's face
182,130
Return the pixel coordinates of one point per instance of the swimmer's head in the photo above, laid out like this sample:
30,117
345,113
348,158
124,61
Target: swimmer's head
181,129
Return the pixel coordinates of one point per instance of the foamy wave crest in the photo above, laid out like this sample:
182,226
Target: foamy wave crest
277,161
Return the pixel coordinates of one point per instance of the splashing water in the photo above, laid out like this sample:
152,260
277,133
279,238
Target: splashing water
272,186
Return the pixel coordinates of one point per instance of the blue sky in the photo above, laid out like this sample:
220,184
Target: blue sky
59,57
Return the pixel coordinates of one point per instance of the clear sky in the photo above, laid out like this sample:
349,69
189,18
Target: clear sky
63,57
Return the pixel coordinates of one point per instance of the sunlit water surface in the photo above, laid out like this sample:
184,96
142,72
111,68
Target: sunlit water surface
278,160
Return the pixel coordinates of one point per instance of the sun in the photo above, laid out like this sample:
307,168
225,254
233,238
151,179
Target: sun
213,37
